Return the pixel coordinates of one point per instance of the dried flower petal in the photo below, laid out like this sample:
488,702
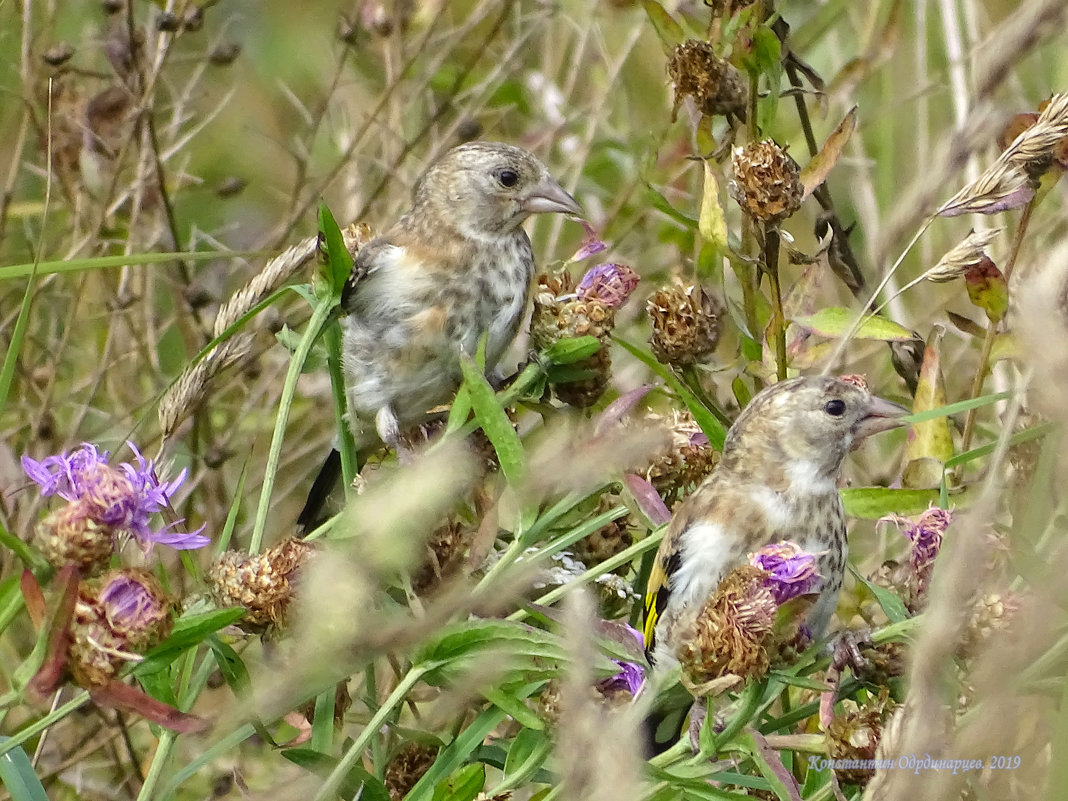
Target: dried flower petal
610,283
591,245
792,572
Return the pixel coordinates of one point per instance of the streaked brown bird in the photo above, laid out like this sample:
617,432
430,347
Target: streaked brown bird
456,266
777,480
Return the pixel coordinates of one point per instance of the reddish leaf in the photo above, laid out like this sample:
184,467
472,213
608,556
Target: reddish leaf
54,669
649,500
34,598
116,695
619,408
988,289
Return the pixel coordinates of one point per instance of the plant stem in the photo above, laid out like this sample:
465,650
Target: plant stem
289,388
778,318
992,330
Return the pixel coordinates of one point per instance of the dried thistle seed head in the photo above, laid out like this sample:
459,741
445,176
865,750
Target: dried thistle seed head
445,551
968,253
991,613
407,767
608,540
767,181
685,464
559,313
731,633
714,84
262,583
855,735
686,324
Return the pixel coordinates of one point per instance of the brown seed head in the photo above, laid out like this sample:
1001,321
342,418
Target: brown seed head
686,324
767,181
262,583
714,84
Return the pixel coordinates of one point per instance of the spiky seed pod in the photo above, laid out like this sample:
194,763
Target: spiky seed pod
608,540
115,618
855,736
560,314
407,767
686,463
713,83
767,181
990,614
71,536
445,551
882,663
262,583
731,632
686,324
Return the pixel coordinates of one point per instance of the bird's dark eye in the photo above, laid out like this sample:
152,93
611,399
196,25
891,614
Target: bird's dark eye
508,178
835,408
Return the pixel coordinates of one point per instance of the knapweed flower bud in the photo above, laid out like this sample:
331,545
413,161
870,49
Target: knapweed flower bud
686,324
791,571
767,181
714,84
262,583
611,284
116,618
559,313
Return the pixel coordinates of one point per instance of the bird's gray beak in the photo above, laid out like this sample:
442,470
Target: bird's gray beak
881,415
548,197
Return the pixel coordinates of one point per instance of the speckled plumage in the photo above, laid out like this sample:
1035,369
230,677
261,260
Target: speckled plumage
777,480
456,265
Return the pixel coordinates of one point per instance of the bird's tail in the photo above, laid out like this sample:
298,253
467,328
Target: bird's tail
326,482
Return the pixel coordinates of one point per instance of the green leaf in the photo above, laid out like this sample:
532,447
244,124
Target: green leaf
893,607
816,171
18,777
188,632
710,426
836,321
529,749
230,665
988,289
798,681
571,350
522,651
667,29
660,203
456,753
494,422
463,785
770,765
873,503
930,443
712,223
358,783
338,258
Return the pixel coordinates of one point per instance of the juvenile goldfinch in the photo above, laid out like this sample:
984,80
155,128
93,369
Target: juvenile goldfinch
777,480
457,265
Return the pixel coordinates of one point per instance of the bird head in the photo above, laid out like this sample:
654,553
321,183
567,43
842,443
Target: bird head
812,421
487,189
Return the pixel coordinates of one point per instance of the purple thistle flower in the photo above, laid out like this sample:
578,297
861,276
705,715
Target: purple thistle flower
132,602
611,284
590,246
121,499
631,675
926,537
792,571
